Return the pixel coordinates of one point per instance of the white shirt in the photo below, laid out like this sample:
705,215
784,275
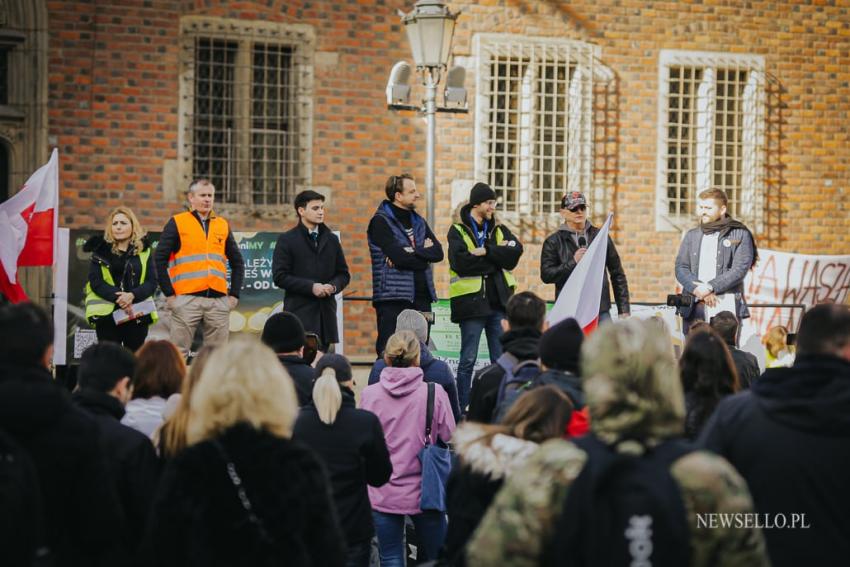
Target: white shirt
708,257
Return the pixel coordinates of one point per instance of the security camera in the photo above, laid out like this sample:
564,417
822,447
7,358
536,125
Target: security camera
398,87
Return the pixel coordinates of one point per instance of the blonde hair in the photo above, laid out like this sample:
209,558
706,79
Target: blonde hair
242,382
137,232
774,340
327,397
632,382
402,350
172,433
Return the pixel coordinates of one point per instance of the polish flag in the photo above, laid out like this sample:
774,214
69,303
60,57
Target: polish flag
581,295
28,227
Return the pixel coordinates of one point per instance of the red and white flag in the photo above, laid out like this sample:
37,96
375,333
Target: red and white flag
28,222
581,295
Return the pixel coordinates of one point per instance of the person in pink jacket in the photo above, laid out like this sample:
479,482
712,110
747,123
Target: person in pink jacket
399,399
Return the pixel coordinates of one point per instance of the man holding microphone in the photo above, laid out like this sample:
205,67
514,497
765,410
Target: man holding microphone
563,250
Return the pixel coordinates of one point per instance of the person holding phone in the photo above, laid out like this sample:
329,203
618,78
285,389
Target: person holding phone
121,275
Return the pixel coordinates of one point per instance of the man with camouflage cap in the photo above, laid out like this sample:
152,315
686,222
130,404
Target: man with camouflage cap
564,249
558,506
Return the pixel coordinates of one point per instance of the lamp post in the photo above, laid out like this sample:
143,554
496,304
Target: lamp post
430,27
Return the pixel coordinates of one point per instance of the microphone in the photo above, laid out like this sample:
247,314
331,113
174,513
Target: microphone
582,242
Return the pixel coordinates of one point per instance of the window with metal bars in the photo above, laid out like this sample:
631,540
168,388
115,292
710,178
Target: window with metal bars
711,132
244,128
533,120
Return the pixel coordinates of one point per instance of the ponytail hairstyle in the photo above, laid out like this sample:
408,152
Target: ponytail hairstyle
402,350
327,397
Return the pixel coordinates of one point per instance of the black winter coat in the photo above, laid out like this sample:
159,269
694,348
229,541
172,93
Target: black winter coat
198,519
557,263
302,375
298,264
522,343
355,454
789,437
131,457
489,267
84,524
747,365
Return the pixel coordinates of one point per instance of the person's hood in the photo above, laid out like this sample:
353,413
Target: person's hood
496,456
30,401
461,215
567,382
98,403
587,227
522,343
425,356
813,395
399,382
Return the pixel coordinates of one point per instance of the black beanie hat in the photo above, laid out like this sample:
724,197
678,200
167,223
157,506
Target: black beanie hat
560,346
283,332
338,362
480,192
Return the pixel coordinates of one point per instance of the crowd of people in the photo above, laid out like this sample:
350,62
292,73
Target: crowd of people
567,449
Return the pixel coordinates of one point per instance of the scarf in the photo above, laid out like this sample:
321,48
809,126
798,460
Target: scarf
726,224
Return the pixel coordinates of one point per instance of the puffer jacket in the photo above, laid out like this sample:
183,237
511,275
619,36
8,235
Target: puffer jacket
557,262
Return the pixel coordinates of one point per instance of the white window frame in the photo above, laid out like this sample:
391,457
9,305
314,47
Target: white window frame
752,188
579,144
301,38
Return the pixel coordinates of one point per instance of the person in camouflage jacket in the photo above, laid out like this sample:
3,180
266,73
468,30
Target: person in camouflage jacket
635,394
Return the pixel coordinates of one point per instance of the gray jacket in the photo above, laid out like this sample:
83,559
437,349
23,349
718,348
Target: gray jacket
734,260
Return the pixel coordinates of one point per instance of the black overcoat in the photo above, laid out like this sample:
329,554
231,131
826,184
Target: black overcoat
298,264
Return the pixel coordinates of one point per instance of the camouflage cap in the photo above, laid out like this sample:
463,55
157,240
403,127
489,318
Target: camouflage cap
572,200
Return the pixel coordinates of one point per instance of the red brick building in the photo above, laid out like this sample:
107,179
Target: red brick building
639,104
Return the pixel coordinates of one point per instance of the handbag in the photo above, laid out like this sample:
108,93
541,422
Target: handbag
436,464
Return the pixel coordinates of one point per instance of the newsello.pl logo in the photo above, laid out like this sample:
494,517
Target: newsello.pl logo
713,521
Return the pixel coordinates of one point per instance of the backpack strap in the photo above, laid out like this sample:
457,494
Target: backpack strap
429,413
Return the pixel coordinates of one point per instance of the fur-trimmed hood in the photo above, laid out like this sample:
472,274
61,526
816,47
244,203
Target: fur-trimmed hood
496,456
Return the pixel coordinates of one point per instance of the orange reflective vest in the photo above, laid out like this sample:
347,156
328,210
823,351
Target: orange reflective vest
199,265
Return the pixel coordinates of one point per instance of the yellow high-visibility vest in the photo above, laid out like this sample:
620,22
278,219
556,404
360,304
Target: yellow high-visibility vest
472,284
97,306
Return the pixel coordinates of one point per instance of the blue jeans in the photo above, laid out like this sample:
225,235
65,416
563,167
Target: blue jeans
470,335
430,527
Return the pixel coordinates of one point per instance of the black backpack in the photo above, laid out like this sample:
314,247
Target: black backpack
519,377
22,539
623,510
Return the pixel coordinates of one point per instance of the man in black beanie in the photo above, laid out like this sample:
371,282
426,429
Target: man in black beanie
284,334
559,348
482,254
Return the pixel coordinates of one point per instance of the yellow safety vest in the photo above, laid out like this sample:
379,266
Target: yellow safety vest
472,284
97,307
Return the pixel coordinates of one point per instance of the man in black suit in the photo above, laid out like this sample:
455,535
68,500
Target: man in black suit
310,267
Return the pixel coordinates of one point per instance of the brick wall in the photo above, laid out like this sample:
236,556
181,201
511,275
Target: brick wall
113,96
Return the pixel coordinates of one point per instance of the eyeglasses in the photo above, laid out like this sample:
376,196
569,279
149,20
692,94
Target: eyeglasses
579,208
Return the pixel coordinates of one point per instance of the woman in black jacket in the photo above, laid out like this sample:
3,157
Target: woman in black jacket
243,493
121,274
708,375
351,443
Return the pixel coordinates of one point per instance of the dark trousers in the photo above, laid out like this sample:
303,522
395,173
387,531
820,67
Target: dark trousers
131,334
387,313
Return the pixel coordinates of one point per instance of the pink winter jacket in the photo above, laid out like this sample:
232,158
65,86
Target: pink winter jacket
399,399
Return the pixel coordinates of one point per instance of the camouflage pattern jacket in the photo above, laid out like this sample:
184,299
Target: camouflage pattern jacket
518,526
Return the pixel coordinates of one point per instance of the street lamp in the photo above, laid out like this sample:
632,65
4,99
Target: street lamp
430,27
